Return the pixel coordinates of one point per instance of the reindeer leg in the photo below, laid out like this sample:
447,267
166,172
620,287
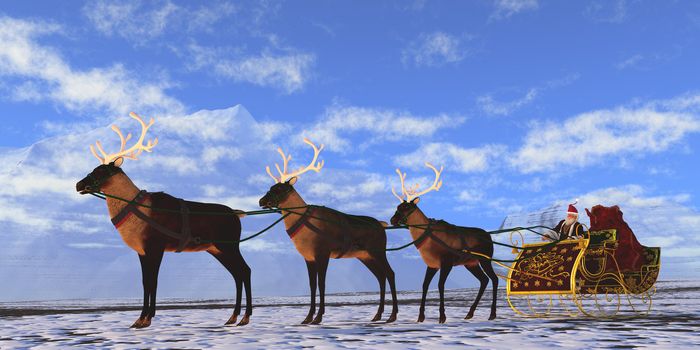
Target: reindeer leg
486,265
444,272
481,276
311,268
378,272
429,274
392,285
248,293
144,308
150,265
322,265
232,260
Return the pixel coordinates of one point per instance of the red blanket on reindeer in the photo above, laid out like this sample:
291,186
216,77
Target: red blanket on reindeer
630,254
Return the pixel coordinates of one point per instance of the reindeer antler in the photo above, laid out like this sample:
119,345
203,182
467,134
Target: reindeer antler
134,151
284,176
402,176
412,193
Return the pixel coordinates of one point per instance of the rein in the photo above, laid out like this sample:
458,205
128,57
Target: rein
292,210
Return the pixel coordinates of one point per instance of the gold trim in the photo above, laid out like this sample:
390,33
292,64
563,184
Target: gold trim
582,243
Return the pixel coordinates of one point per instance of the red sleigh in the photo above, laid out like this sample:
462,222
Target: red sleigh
605,273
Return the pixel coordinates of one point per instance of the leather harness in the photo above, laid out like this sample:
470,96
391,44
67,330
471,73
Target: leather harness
183,237
304,221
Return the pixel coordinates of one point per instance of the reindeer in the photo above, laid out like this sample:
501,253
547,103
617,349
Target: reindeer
320,233
179,226
442,246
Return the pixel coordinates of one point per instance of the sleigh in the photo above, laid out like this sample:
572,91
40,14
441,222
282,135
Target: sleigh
605,273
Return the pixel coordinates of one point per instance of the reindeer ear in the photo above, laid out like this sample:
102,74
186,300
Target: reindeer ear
292,181
588,213
415,200
118,162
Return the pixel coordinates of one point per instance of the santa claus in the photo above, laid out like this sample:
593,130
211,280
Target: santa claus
567,228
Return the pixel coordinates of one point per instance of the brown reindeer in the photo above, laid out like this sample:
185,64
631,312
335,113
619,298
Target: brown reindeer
442,246
178,226
320,233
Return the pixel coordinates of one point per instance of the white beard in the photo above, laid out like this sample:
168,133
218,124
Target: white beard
569,221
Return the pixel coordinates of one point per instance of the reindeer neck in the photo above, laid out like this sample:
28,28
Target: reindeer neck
119,186
417,222
294,200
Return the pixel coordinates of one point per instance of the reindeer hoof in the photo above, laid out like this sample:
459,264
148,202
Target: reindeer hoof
244,321
377,317
318,319
141,323
469,316
391,318
443,318
231,320
493,316
136,324
421,318
307,320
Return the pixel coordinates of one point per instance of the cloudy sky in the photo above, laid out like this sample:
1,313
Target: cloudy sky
528,104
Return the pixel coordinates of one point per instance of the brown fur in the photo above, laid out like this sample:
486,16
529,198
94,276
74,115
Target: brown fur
438,257
150,244
368,240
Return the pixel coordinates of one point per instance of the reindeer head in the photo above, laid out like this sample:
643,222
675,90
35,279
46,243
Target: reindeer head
410,196
111,163
283,185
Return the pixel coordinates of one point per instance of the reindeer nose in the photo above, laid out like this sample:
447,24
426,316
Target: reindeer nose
80,186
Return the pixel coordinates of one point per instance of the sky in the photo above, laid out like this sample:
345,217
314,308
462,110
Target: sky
528,104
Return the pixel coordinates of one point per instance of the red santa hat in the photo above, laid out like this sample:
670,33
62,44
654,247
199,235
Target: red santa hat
572,209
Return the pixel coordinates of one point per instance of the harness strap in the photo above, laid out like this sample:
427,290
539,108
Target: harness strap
346,244
132,208
125,213
427,233
460,253
186,234
294,229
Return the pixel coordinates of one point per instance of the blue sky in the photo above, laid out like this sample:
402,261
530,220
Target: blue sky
528,104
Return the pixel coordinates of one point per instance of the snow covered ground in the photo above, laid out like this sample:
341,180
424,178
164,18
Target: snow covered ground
673,323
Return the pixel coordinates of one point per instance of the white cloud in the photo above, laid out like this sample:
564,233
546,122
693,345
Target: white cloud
129,19
351,191
452,157
434,49
470,196
287,71
213,190
95,245
49,77
184,163
265,246
610,11
665,221
507,8
490,106
368,185
381,124
211,155
592,137
141,21
630,62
